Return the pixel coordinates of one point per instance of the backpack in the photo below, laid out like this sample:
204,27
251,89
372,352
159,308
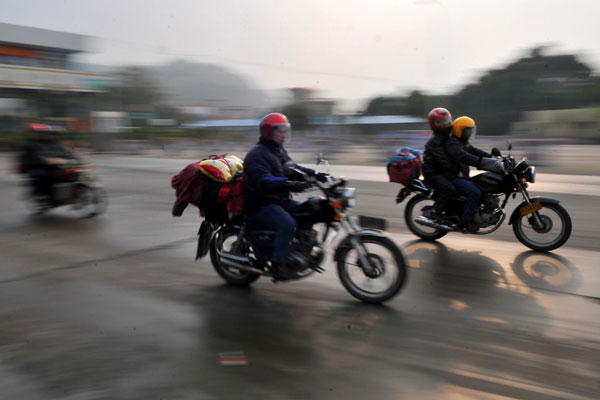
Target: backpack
404,166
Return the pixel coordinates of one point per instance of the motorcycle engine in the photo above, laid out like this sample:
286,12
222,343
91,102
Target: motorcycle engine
488,213
305,251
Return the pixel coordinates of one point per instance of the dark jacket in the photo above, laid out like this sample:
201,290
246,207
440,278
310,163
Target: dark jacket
463,155
435,159
265,178
37,150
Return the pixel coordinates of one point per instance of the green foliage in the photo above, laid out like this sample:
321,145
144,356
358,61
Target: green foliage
534,82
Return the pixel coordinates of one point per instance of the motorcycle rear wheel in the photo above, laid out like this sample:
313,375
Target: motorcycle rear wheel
414,209
223,241
387,260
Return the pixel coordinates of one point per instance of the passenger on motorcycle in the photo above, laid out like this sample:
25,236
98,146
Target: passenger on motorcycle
268,186
43,155
437,166
462,154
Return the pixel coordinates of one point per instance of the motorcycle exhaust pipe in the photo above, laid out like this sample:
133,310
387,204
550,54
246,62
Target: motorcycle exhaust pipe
432,224
240,266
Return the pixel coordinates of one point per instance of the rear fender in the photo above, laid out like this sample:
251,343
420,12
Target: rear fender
417,186
346,243
516,212
205,234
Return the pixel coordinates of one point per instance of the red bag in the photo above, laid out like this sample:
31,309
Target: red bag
232,194
404,167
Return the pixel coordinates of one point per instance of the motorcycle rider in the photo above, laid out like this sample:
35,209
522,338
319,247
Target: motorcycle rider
437,166
462,154
268,185
43,156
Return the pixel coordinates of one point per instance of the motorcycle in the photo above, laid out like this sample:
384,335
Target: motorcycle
370,265
75,186
539,223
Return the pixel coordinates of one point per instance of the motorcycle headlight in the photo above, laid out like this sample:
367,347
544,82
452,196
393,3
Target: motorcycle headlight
349,197
530,174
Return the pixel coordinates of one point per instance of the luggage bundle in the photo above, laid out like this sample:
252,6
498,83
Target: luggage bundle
214,185
404,166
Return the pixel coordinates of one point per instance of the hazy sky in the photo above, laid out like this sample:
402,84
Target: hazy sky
349,49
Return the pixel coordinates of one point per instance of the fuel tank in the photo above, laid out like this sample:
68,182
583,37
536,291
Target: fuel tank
489,182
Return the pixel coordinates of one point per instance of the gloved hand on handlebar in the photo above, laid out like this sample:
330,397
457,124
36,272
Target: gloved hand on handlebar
321,177
491,164
297,186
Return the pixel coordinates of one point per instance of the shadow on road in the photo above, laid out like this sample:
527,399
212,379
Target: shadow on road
546,271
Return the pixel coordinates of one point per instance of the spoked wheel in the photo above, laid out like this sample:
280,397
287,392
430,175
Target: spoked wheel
225,240
417,206
84,205
385,277
37,204
100,201
553,232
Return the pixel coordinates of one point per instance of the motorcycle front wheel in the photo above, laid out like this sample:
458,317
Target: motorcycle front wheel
387,269
415,207
225,241
89,201
553,233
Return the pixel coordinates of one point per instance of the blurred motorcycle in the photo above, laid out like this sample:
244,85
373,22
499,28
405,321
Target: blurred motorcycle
540,223
370,265
74,186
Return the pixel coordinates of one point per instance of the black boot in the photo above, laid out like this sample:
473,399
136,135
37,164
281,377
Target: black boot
282,272
468,226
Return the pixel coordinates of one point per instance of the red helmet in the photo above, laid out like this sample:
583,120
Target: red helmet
38,128
440,120
272,121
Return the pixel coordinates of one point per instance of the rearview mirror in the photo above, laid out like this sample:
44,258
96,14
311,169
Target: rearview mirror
320,160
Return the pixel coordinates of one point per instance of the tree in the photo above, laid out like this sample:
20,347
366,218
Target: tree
136,91
535,82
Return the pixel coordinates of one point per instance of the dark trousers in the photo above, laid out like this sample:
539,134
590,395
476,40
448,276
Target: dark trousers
277,218
472,193
444,190
42,180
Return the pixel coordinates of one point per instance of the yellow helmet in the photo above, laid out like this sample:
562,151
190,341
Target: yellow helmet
464,128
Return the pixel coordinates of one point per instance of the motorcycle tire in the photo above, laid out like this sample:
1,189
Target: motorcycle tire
397,259
231,275
420,230
89,201
554,244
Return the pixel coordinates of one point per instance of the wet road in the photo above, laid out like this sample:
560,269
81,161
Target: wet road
115,308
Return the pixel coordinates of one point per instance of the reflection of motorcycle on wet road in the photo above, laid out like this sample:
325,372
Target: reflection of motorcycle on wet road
540,223
546,271
369,264
76,187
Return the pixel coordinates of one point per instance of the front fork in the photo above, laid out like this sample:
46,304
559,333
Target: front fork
536,215
350,227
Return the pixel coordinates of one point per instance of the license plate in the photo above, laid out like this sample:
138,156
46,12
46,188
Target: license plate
531,208
372,222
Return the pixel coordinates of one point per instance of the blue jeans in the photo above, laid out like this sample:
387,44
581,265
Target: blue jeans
277,218
473,195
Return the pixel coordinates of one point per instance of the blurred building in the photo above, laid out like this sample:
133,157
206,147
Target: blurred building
39,80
